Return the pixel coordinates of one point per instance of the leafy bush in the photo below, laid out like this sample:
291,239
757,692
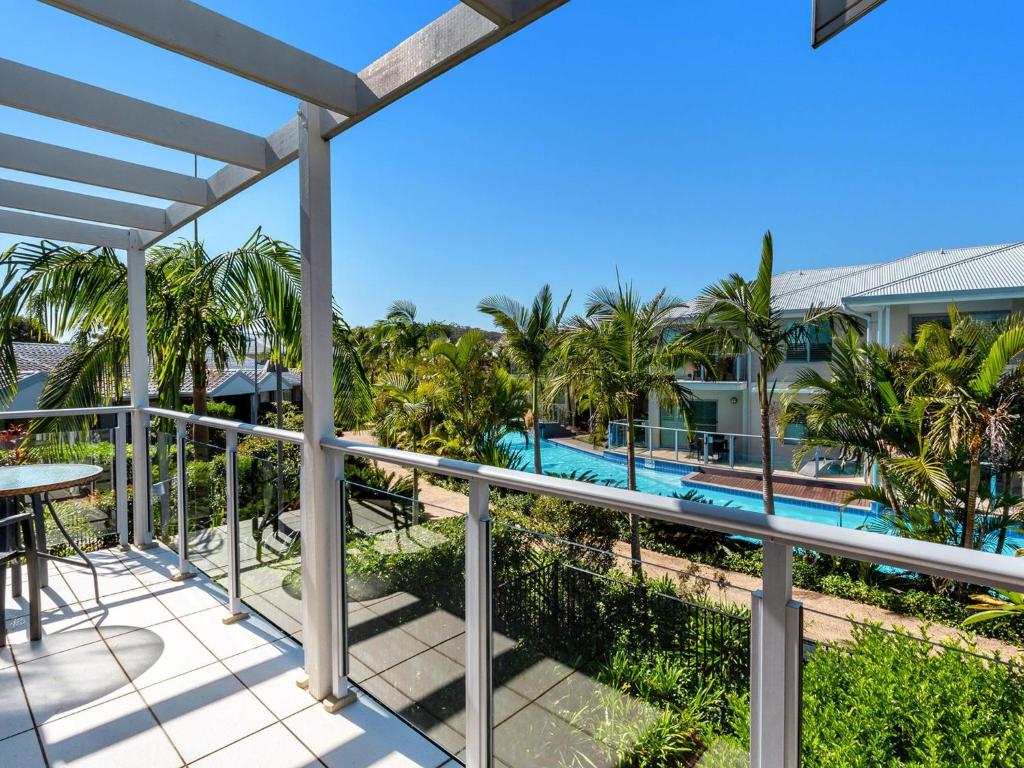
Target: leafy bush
892,699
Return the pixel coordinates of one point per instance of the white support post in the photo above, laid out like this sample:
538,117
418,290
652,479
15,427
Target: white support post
342,693
181,446
121,479
319,490
235,612
479,655
776,631
138,361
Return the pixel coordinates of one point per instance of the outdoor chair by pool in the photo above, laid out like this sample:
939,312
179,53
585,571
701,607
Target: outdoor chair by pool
12,549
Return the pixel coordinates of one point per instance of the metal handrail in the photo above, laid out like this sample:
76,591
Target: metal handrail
241,427
938,560
56,413
645,424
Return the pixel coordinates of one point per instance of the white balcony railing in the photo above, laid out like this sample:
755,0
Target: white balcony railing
776,619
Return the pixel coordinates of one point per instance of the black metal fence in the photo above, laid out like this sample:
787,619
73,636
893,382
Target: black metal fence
570,612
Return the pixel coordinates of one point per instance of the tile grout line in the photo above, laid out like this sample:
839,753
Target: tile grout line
277,720
135,688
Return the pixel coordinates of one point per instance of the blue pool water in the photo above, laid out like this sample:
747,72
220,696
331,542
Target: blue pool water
560,459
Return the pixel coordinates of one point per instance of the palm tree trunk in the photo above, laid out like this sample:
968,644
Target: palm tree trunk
634,520
200,433
537,468
768,491
973,478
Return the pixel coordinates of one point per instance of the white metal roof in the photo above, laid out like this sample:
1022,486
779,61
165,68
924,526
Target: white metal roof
932,274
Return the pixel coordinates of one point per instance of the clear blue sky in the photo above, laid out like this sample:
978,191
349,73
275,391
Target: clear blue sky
658,136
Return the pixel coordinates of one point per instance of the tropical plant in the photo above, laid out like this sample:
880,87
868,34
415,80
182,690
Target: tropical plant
635,355
478,400
531,336
406,411
199,307
744,315
961,382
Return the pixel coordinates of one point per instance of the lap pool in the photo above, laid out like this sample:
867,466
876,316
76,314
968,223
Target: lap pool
666,479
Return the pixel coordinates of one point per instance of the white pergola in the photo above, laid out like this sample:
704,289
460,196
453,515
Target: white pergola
332,100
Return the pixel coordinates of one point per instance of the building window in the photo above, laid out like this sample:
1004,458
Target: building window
815,347
985,318
705,415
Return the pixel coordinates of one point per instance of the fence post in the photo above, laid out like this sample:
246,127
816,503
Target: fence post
121,479
479,689
184,572
817,461
676,433
706,447
732,450
235,612
776,631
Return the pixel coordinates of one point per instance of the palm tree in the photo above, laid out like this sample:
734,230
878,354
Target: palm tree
479,401
406,411
861,406
530,338
580,371
964,371
198,306
635,355
744,315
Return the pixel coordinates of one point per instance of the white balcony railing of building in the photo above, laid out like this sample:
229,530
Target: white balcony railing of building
775,622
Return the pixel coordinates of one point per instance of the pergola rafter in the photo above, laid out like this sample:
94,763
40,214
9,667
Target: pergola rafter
201,34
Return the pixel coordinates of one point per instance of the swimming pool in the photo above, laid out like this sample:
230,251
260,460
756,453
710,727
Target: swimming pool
562,459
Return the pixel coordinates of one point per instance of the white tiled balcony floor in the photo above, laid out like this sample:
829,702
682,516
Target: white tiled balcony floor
152,677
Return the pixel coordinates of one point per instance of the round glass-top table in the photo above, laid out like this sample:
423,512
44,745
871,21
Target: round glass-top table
36,481
28,479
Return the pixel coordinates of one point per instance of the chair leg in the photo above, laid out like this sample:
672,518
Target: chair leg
16,578
34,593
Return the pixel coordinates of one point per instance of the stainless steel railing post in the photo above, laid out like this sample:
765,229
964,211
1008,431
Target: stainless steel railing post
181,444
235,612
479,683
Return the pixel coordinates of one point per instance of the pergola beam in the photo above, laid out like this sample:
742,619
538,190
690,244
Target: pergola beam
229,180
202,34
29,156
499,11
59,202
457,35
47,228
35,90
443,44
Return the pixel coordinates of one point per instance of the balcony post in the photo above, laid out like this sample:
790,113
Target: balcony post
235,612
479,655
138,363
776,630
319,503
121,479
184,572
